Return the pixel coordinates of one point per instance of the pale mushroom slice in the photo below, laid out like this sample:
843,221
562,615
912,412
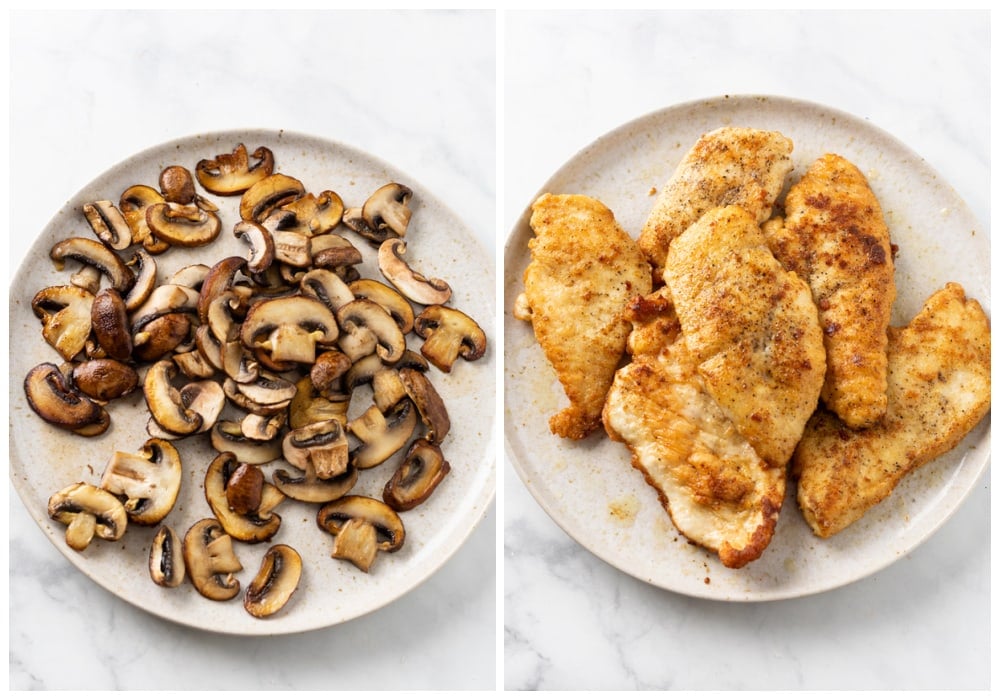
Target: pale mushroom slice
410,283
367,328
108,224
289,328
275,582
211,561
416,478
387,211
65,311
328,287
228,436
97,255
206,398
362,527
57,403
388,298
147,482
320,446
449,334
104,379
354,220
257,525
166,558
234,173
381,435
87,511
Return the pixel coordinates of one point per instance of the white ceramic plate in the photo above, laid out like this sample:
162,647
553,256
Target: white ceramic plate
590,489
44,459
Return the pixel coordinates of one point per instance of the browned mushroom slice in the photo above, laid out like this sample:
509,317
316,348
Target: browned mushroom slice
364,370
354,220
388,210
109,322
327,287
161,336
429,404
386,297
289,328
108,224
105,379
211,561
257,525
87,278
144,266
266,395
290,247
333,252
147,482
165,403
449,334
185,225
133,204
309,406
275,582
387,388
227,436
165,299
87,511
362,527
268,194
320,446
234,173
416,478
94,254
265,428
410,283
51,397
219,279
245,489
65,311
259,242
368,328
166,558
327,372
177,185
381,435
206,398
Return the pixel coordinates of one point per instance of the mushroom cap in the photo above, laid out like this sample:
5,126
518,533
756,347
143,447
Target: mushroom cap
109,323
104,379
162,335
218,280
95,254
133,204
448,334
211,561
259,525
87,511
51,397
65,311
147,482
289,328
416,478
234,173
166,558
410,283
362,527
177,185
275,582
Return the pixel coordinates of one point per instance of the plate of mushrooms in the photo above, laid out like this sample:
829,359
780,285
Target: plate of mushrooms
252,382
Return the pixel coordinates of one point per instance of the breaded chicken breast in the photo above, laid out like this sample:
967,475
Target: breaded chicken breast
834,237
730,165
938,390
584,268
751,327
719,493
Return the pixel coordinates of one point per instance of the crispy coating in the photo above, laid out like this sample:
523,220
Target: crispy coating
751,327
719,493
584,268
730,165
938,389
834,236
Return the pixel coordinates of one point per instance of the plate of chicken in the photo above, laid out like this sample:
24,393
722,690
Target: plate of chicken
739,365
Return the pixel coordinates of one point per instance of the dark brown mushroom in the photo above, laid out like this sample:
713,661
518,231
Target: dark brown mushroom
133,204
94,254
87,511
109,322
165,403
145,279
105,379
52,398
449,334
260,244
219,279
429,404
257,525
177,185
327,372
362,527
275,582
166,558
416,478
211,561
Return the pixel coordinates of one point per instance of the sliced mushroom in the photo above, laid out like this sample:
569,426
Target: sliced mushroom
386,297
317,214
290,247
192,276
368,328
354,220
327,372
266,395
362,527
449,334
105,379
161,336
321,446
364,370
260,244
94,254
185,225
108,224
165,299
109,322
245,489
333,252
87,278
264,428
65,311
146,482
381,435
387,209
327,287
387,388
268,194
133,204
429,404
289,328
177,185
257,525
228,436
145,280
275,582
309,406
51,397
87,511
165,403
219,279
206,398
234,173
422,469
211,561
166,558
411,284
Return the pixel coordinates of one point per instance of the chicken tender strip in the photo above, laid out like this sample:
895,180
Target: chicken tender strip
719,493
835,238
731,165
752,328
939,390
584,268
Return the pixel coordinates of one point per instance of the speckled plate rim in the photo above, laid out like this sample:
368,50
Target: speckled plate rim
474,492
962,468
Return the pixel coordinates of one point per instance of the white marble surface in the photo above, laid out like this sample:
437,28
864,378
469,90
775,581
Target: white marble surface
573,622
89,89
